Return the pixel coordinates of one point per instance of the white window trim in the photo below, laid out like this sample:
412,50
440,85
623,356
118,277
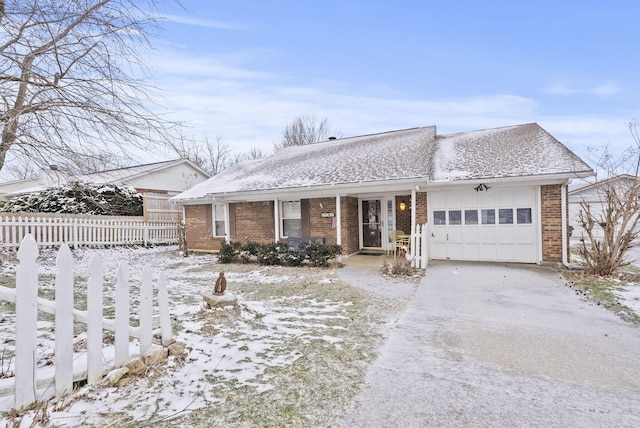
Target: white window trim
281,214
214,219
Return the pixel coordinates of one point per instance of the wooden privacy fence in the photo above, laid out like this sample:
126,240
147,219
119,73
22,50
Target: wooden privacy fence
82,230
28,379
419,247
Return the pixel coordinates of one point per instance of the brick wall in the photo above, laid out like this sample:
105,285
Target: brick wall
403,218
199,228
322,226
422,211
255,222
551,222
350,230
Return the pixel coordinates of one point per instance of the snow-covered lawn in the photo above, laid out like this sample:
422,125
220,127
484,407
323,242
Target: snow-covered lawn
292,354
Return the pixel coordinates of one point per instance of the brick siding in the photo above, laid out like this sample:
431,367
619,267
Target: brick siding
551,222
254,222
199,232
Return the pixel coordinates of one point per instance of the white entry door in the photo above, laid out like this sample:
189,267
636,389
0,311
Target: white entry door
498,224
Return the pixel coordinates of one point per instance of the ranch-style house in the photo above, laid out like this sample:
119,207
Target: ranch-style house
489,195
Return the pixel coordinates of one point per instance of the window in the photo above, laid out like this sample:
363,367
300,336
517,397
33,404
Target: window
291,218
524,215
470,216
488,216
505,216
455,217
219,220
439,217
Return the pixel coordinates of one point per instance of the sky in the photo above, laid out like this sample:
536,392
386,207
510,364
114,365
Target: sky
242,70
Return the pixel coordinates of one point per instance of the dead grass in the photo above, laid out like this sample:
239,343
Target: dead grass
601,291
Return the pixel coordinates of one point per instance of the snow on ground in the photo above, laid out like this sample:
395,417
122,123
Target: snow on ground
300,333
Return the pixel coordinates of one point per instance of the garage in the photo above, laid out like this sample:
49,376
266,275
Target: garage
484,224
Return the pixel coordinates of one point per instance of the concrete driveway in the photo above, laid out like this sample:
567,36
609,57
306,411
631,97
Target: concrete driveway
490,345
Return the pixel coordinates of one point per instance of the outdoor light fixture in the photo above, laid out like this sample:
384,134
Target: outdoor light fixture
481,188
403,206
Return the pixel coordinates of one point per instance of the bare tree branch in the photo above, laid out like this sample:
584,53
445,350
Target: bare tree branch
73,80
305,130
611,224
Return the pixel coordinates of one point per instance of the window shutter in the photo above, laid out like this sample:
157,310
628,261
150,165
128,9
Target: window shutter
208,213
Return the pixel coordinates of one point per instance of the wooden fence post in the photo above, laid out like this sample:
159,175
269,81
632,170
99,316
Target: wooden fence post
64,321
146,310
26,323
122,316
94,319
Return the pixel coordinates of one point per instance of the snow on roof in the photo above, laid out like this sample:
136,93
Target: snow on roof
378,157
515,151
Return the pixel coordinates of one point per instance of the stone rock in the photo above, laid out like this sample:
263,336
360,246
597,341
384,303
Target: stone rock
169,342
114,376
123,381
136,366
155,356
176,348
226,299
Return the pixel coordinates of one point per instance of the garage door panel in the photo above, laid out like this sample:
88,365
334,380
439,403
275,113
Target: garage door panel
471,251
504,197
525,235
505,235
469,235
506,252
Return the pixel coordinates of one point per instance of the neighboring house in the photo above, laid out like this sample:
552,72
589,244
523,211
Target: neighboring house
490,195
592,193
156,181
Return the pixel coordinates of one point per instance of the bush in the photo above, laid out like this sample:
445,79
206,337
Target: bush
320,254
229,252
278,253
79,198
269,254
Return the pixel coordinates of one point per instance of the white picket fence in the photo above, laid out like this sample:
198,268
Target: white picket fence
418,254
77,231
95,362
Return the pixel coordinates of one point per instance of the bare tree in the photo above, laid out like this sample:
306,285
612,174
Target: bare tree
253,154
73,79
305,130
212,156
611,225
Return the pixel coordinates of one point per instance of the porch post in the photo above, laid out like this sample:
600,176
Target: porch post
338,221
413,210
276,219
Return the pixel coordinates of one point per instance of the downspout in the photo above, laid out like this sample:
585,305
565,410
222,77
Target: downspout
565,243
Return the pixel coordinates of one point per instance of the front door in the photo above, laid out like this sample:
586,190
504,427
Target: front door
372,224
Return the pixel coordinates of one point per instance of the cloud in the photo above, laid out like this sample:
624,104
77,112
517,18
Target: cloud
604,89
178,19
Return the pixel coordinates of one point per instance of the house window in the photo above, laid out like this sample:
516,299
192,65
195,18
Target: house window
524,215
439,217
470,216
488,216
505,216
455,217
291,218
219,220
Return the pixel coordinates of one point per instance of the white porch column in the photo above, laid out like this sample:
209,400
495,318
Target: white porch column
338,221
413,210
276,219
227,227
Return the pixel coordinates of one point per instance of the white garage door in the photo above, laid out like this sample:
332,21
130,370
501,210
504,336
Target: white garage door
494,225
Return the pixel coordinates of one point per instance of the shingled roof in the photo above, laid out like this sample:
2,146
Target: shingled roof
416,154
